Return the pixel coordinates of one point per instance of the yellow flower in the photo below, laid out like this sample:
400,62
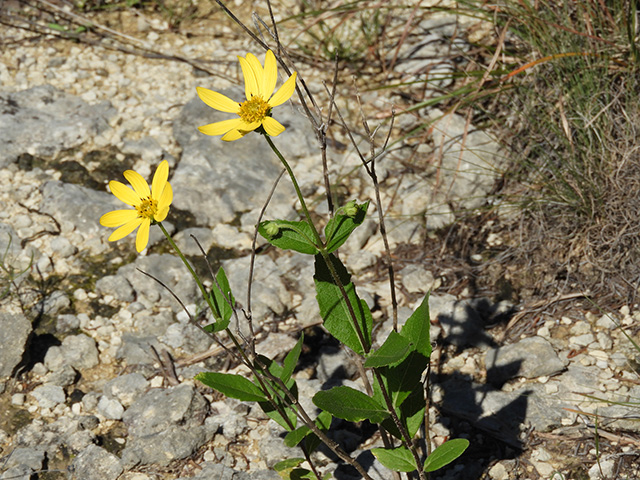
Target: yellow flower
255,111
151,206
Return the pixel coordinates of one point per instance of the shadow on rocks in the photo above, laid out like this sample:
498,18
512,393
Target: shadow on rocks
491,419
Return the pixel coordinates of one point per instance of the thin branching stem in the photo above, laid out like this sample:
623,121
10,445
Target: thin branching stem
252,262
371,170
191,319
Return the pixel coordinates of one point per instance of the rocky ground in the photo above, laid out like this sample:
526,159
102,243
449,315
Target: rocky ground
97,361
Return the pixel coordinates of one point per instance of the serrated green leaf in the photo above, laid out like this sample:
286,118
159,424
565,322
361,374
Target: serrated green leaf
297,236
445,454
220,299
334,308
397,459
288,463
233,386
291,360
417,327
340,227
350,404
394,349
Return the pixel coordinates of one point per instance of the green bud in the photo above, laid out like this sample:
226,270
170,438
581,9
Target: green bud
272,229
350,209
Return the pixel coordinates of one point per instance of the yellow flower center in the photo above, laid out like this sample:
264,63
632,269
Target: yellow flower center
254,110
147,208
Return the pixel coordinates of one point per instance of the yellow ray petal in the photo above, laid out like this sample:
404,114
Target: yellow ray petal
232,135
217,100
142,238
117,218
258,71
159,180
124,193
250,81
220,128
125,229
248,127
139,184
161,215
270,76
284,92
272,126
163,204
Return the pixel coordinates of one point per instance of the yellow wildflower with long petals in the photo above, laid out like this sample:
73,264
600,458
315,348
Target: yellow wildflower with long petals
255,111
150,206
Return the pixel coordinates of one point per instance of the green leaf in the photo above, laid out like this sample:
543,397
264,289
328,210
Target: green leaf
233,386
288,464
302,474
445,454
294,437
323,422
402,379
283,415
350,404
282,412
297,236
288,469
220,299
397,459
56,26
417,327
340,227
411,414
394,349
291,360
334,308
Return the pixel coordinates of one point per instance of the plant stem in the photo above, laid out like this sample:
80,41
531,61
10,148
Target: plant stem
187,264
334,274
321,246
303,204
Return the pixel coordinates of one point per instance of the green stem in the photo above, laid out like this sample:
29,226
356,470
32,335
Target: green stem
205,295
321,246
248,362
327,258
298,192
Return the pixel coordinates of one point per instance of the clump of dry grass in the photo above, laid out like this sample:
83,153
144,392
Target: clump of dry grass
570,122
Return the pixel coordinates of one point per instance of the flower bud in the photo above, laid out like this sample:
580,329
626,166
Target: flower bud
350,209
272,229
